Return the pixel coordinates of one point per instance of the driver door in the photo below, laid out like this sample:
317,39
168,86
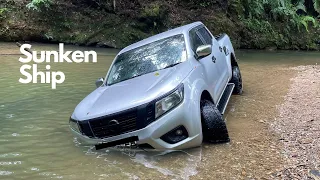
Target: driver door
218,59
211,70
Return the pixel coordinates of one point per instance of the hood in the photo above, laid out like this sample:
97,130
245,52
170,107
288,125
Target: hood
130,93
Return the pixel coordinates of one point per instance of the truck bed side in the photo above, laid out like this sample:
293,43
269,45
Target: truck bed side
225,42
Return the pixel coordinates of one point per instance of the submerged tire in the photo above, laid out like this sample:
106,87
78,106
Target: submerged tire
214,128
236,80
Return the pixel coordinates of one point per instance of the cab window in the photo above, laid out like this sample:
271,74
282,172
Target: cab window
195,40
205,35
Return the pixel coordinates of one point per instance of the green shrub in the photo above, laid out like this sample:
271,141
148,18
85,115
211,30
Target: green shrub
3,12
155,16
39,5
283,11
316,5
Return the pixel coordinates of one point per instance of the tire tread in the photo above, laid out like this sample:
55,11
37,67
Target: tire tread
213,125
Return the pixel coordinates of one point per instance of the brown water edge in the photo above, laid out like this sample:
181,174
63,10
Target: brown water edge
254,151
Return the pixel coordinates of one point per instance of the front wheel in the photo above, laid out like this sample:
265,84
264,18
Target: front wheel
236,80
214,128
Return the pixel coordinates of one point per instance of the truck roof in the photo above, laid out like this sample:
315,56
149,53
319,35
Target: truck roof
179,30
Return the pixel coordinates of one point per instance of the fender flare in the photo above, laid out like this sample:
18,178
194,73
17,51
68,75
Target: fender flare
199,86
233,60
195,92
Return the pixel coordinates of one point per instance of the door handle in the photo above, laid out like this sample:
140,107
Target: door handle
214,59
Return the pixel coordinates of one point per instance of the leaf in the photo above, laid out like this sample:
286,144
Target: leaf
301,6
305,21
316,5
305,24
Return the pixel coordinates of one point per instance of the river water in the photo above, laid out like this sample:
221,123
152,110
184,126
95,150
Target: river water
35,141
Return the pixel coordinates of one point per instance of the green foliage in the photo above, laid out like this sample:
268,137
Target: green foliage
152,11
305,20
39,5
253,8
205,4
277,23
3,11
236,6
285,11
201,3
155,16
316,5
259,26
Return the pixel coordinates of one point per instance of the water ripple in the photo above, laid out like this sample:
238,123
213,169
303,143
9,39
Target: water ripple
35,169
10,155
5,173
8,116
15,134
10,163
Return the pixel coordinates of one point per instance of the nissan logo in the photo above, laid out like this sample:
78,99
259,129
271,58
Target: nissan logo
114,126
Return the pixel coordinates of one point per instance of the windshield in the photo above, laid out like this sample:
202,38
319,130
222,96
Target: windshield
148,58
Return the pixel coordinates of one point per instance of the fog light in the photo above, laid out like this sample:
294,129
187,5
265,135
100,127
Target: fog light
179,132
74,125
176,135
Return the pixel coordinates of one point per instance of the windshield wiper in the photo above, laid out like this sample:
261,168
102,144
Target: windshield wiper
135,76
126,79
171,65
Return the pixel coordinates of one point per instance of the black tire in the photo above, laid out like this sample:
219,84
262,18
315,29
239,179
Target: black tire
214,128
237,80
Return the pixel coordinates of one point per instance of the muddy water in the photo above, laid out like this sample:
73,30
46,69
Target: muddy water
35,142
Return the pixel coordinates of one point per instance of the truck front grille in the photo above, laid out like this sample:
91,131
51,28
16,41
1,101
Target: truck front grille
119,123
150,114
115,124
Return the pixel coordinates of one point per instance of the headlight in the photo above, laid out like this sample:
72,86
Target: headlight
74,125
169,102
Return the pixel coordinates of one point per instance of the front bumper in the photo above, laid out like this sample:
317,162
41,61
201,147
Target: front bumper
186,114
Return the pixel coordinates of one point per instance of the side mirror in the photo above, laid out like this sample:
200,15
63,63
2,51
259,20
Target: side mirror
99,82
203,51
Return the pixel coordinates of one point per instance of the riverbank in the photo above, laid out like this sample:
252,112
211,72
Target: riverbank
298,125
274,125
93,23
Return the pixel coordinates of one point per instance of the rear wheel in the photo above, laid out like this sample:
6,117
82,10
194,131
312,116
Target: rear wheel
236,80
214,128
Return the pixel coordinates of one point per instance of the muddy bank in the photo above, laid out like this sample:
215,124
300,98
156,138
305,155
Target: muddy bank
298,125
254,152
257,151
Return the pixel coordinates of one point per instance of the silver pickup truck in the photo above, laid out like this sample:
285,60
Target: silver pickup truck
168,91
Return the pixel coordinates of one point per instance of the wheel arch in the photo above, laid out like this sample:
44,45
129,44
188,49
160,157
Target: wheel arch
205,95
233,60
